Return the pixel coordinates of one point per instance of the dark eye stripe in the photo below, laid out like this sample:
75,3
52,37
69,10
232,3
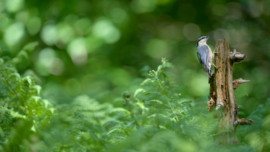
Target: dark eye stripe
203,37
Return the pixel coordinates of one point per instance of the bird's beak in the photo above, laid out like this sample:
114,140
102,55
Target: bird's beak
209,36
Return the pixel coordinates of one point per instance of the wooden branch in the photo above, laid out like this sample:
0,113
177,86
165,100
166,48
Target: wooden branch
231,102
222,52
210,103
236,56
243,121
222,94
239,81
225,100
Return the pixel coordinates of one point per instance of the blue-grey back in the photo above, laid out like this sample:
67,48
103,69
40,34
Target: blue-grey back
202,53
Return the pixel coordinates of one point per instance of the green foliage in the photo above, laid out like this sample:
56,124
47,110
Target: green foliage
23,111
155,118
258,135
88,65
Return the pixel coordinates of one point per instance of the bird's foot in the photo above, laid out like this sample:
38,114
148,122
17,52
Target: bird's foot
215,66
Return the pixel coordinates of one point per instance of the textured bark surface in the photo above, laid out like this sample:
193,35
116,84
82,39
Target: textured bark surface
212,95
222,93
225,98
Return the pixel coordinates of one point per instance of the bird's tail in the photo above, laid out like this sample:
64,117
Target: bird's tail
208,70
210,73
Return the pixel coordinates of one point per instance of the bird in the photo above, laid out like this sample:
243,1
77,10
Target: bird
205,54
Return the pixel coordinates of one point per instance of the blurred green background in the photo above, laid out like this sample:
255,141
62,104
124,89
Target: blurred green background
103,48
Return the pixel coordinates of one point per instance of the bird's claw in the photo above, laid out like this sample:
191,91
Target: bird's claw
217,67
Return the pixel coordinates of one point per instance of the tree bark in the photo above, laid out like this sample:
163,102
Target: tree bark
222,93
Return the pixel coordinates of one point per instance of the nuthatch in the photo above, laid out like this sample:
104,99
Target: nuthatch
205,54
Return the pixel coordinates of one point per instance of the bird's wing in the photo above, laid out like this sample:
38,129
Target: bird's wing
202,52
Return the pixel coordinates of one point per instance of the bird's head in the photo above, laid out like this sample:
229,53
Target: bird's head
202,40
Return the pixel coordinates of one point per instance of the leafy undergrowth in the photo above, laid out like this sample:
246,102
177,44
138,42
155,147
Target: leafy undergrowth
153,118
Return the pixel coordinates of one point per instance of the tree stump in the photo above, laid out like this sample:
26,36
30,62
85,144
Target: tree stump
222,94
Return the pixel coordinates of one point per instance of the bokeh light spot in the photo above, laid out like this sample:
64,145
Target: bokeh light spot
192,31
46,57
234,10
221,34
173,32
14,33
22,16
255,8
77,51
49,34
33,25
48,63
65,33
14,5
157,48
142,6
81,25
92,43
57,67
119,15
2,5
45,62
107,31
219,10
